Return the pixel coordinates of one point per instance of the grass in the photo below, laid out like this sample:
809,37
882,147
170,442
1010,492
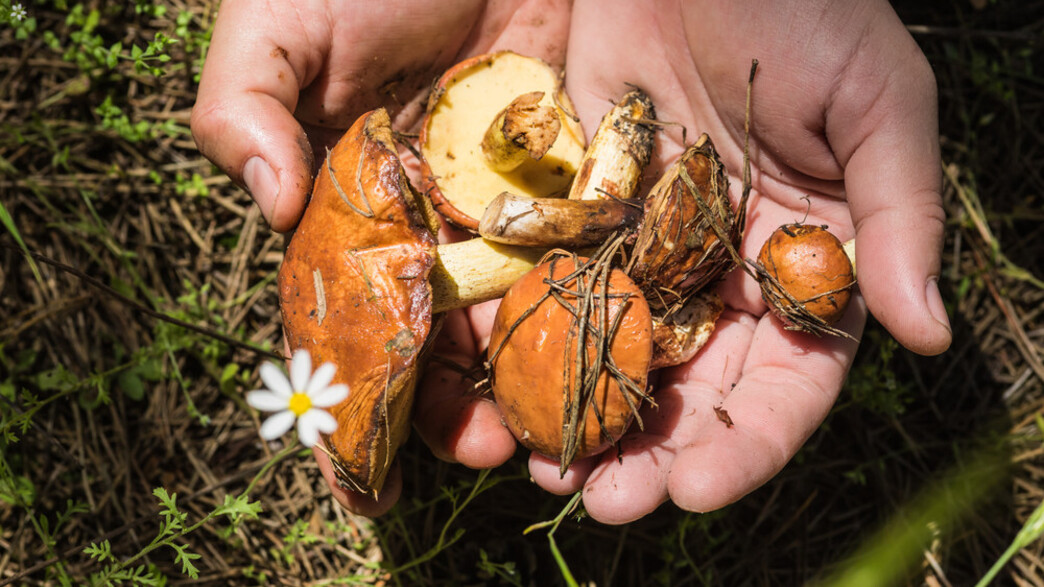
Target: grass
126,451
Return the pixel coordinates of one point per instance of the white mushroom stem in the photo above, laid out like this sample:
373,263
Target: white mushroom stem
477,270
849,248
612,166
551,222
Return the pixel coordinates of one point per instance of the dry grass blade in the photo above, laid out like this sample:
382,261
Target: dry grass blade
585,294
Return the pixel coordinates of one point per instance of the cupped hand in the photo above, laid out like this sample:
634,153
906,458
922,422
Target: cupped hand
844,133
284,80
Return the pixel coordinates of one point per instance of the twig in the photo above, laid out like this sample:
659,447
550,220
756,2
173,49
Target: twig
147,310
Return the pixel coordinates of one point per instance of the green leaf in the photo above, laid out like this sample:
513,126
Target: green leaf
17,490
92,21
185,558
100,552
57,379
228,377
131,385
9,224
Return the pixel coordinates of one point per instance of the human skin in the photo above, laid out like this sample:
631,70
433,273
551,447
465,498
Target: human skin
844,133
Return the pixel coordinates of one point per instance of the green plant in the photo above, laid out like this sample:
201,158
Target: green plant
872,383
173,529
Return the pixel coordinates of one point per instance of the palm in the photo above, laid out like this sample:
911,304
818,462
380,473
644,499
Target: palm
774,385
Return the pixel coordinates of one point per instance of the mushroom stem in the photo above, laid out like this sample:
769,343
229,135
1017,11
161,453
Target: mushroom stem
612,166
477,270
522,131
551,222
849,248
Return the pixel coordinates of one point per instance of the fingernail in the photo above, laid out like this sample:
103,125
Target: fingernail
263,184
935,303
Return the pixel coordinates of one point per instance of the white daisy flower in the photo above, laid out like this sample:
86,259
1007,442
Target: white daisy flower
17,12
302,397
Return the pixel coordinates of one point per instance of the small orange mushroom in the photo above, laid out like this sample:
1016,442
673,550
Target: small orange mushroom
806,277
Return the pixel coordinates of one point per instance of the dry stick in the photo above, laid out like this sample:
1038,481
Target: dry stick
572,415
741,214
147,310
579,387
340,191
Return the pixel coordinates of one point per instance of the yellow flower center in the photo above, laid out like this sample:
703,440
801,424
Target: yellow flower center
300,403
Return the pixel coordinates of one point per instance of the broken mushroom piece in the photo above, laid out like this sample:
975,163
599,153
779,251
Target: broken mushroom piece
360,280
570,353
806,276
554,222
620,150
480,109
523,131
678,336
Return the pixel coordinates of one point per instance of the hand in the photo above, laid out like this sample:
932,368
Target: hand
844,131
284,80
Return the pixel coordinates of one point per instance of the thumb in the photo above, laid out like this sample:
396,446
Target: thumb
893,180
243,117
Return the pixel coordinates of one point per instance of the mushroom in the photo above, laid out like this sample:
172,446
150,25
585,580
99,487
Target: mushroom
360,282
497,122
686,242
806,276
620,150
570,352
554,222
690,233
601,197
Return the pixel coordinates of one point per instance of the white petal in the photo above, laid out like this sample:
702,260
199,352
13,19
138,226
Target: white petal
331,396
311,423
325,422
300,370
321,378
277,425
275,379
266,401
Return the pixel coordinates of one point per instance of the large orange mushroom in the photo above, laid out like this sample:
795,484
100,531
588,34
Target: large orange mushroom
361,280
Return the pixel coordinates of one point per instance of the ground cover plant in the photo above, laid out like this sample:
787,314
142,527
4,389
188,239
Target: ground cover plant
138,298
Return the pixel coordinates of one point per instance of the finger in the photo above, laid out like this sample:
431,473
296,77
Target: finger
790,380
893,182
482,317
248,90
633,483
456,423
547,473
360,503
